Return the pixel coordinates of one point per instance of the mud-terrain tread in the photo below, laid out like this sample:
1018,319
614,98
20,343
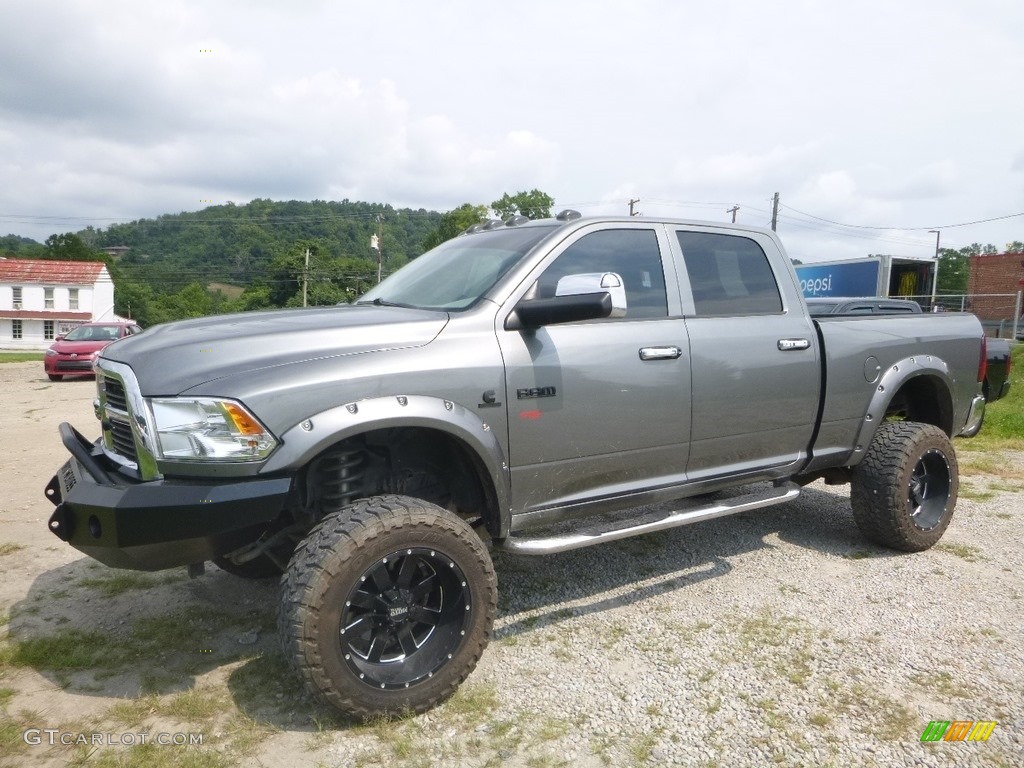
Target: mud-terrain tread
340,537
878,489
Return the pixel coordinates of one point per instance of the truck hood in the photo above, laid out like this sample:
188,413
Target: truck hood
171,358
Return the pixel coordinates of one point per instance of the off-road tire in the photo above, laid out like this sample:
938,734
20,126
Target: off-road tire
386,606
261,567
904,490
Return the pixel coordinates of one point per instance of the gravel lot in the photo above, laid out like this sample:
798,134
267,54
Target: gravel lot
772,637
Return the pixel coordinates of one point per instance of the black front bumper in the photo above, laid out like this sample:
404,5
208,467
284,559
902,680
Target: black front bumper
158,524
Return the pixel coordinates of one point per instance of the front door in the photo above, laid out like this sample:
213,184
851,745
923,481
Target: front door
600,409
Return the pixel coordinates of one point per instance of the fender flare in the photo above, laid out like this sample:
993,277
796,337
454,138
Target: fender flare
891,382
303,442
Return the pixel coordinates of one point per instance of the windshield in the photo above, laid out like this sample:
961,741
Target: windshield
93,333
458,272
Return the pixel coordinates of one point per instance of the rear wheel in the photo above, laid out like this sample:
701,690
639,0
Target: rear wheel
387,606
904,490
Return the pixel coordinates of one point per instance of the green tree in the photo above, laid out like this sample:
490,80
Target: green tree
954,268
454,222
1015,247
134,300
191,301
533,205
70,247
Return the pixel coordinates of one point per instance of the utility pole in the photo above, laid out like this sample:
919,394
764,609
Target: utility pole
305,278
775,211
379,244
733,212
631,204
935,275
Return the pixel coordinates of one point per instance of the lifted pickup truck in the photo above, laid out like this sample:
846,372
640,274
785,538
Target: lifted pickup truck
524,374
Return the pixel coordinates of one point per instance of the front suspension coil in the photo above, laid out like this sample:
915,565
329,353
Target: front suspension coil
340,473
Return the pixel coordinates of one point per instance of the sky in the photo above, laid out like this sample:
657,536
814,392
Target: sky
875,121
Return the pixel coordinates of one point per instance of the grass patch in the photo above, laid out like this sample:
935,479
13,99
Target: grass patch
943,684
151,755
963,551
118,582
972,492
474,701
1004,419
874,714
68,650
21,357
8,548
859,554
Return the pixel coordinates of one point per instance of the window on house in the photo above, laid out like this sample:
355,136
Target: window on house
48,330
15,329
17,296
72,298
48,298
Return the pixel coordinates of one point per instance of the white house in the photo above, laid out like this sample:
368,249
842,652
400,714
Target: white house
42,299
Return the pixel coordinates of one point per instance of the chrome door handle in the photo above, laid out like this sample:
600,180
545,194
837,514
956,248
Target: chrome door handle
787,345
660,353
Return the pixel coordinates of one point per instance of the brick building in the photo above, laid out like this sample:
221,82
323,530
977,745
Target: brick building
41,299
993,283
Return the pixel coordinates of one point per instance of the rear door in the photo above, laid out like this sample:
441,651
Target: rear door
754,360
600,409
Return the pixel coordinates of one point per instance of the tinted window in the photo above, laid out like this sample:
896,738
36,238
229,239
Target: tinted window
631,253
729,275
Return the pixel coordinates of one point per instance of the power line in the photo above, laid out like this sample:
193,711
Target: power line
906,229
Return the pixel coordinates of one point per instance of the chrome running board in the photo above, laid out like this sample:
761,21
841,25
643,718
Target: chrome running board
588,538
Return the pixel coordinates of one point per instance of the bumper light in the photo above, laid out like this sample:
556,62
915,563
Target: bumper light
208,429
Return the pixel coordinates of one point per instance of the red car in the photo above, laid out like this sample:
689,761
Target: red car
74,354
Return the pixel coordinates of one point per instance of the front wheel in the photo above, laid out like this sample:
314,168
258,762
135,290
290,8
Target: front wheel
387,606
904,490
55,377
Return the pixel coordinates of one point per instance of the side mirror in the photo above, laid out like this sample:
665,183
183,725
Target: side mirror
587,296
594,282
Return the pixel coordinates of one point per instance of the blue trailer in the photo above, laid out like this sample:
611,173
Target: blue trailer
871,276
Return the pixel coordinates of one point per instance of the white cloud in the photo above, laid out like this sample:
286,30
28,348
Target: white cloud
857,114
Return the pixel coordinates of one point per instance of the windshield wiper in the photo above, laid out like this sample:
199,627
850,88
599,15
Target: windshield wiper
385,303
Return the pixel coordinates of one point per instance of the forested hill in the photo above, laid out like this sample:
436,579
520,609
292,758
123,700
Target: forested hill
238,243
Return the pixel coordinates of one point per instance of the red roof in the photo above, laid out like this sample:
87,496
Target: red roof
50,272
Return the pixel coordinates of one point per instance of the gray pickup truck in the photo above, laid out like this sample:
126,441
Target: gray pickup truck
519,377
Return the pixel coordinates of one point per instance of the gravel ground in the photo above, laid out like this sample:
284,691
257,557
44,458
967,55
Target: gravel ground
771,637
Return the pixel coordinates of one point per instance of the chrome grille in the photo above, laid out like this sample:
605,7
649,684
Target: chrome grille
124,441
116,397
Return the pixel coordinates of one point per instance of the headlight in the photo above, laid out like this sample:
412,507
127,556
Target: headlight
51,353
208,429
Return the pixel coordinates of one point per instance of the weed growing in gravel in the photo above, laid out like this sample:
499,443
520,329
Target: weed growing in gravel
8,548
642,747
